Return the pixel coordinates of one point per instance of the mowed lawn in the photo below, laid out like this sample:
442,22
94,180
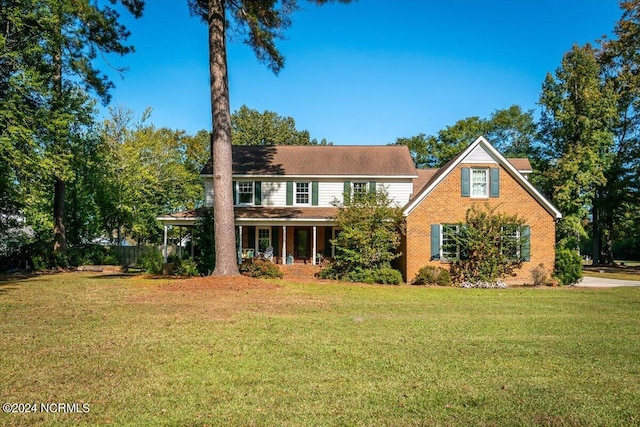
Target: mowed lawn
144,351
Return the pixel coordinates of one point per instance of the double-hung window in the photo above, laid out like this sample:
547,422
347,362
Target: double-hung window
359,189
479,182
303,193
450,247
245,192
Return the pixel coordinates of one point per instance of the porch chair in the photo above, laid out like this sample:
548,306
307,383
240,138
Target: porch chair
268,253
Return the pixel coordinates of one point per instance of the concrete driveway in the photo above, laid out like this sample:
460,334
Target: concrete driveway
597,282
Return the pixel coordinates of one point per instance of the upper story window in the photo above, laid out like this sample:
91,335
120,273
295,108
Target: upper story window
359,188
302,193
245,193
479,182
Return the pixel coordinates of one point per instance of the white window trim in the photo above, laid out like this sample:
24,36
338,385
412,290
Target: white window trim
253,193
487,183
257,243
442,257
295,193
517,237
353,187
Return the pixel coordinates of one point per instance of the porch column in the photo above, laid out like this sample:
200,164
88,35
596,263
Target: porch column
284,244
315,245
164,248
239,254
192,243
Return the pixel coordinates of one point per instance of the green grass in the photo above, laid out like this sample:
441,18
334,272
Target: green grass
145,352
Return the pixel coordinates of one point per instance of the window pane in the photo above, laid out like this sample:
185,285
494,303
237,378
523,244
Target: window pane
359,188
510,242
245,192
302,193
450,249
264,239
479,182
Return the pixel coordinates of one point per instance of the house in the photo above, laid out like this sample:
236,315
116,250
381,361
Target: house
283,198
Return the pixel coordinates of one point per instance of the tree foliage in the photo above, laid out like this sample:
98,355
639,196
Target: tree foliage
511,130
250,127
490,245
371,229
577,129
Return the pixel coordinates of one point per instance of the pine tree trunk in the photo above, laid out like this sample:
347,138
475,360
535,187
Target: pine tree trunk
225,238
59,232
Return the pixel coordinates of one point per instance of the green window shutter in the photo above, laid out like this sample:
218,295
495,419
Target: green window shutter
314,193
289,193
495,182
435,241
466,182
373,188
347,192
257,193
525,243
235,193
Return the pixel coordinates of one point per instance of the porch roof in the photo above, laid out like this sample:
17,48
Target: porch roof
257,214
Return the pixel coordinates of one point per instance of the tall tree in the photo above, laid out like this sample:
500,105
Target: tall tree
620,57
250,127
263,22
79,30
512,131
576,125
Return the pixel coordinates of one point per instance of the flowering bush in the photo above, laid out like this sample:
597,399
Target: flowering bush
483,285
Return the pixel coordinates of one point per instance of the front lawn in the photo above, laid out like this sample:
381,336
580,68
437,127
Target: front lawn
142,351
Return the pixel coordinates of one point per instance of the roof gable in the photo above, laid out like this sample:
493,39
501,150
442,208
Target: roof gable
481,151
321,160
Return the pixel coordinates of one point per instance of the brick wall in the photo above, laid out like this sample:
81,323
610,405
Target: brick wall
446,205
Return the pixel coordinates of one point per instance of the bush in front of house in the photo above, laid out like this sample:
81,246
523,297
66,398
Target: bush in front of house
261,268
151,261
430,275
540,276
568,269
371,229
186,267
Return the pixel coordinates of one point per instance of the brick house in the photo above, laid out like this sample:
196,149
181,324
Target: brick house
283,199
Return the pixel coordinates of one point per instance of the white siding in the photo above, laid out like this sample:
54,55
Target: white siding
399,192
274,192
478,155
328,191
208,192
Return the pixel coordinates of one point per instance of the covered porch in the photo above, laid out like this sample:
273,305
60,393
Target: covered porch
297,235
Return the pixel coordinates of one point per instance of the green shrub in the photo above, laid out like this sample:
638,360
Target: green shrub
151,261
430,275
260,268
540,275
185,267
568,266
382,275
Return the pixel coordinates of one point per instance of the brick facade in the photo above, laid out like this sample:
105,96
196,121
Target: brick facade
445,204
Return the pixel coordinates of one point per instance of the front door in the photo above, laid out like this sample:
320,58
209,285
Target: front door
302,243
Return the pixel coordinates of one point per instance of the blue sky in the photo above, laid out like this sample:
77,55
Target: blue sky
364,73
